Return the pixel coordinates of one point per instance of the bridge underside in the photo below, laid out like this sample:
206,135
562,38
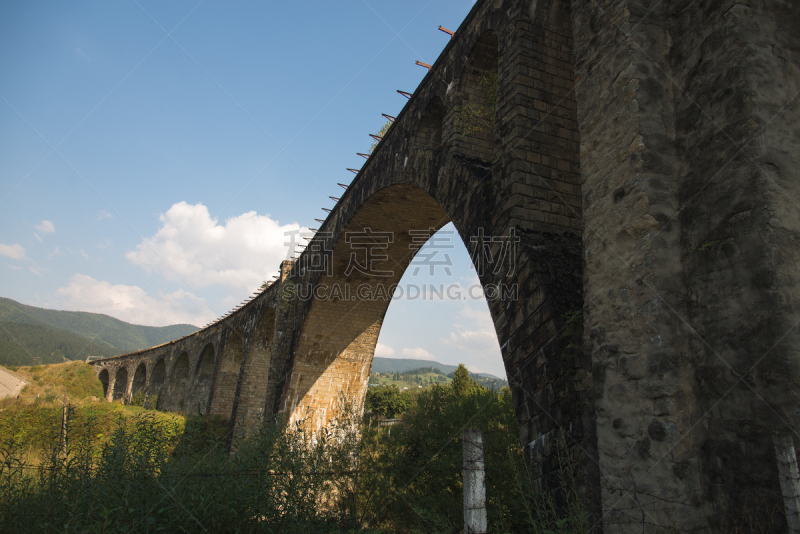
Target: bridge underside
634,166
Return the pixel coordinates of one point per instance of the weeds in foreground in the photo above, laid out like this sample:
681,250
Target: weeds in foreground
154,473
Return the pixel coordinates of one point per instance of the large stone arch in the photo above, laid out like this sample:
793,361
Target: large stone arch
202,381
227,378
337,341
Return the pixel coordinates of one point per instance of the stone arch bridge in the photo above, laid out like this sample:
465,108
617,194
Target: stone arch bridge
629,168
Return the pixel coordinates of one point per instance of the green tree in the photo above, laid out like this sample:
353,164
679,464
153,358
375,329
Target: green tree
388,402
463,384
423,456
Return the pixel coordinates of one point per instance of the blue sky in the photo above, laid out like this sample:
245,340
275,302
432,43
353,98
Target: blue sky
132,130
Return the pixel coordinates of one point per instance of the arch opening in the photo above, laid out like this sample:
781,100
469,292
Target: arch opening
120,384
228,375
203,378
440,299
339,335
139,379
103,376
348,302
157,379
176,391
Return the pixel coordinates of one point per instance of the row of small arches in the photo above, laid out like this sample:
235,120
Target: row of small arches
183,389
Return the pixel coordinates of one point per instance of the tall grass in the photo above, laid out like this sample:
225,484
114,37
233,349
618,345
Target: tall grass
152,472
151,475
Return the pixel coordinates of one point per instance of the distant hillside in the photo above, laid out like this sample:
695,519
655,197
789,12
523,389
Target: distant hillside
398,365
52,335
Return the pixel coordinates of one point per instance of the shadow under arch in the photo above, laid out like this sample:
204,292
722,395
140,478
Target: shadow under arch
139,379
156,385
103,377
120,384
227,376
175,393
197,402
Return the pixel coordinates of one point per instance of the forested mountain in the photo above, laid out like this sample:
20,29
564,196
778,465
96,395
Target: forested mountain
52,335
399,365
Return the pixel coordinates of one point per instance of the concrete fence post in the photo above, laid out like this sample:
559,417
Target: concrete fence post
789,478
474,482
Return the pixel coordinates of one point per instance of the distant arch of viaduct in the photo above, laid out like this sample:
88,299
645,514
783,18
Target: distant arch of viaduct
630,168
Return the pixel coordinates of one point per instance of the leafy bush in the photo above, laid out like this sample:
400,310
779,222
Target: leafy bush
155,474
421,460
475,118
388,402
130,470
137,399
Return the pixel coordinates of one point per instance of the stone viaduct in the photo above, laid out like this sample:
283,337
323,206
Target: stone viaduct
630,166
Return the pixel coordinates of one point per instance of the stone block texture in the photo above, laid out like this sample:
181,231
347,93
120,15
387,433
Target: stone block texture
628,169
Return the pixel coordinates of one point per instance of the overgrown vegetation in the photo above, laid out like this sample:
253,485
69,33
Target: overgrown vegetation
478,117
76,380
128,469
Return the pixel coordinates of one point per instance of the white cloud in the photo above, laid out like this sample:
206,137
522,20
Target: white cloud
240,254
384,351
103,214
15,267
131,304
418,353
15,252
39,239
476,340
46,227
84,254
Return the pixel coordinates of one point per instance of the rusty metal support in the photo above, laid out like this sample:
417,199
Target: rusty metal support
376,137
334,198
319,220
354,171
326,209
421,64
448,32
407,95
365,156
342,185
389,117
